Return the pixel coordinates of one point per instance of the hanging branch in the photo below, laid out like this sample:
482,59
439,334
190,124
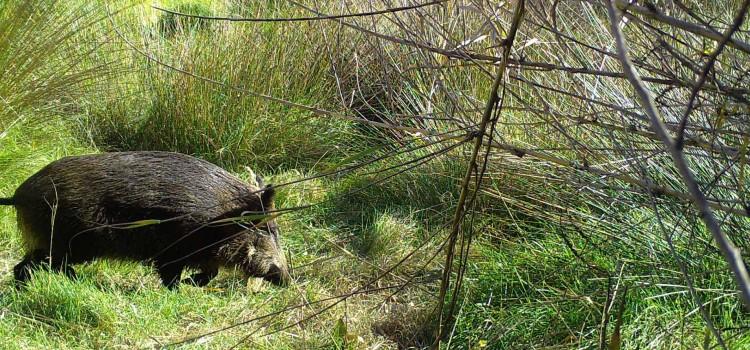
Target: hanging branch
730,252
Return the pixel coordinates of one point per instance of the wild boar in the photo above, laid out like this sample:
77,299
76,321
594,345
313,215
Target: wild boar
166,209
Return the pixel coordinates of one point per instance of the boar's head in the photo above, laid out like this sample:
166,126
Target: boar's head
257,250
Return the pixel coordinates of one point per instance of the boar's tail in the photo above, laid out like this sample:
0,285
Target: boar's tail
7,201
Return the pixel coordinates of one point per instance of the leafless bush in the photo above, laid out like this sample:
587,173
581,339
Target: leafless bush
569,116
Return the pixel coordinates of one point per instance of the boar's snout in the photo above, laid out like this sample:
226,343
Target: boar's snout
278,276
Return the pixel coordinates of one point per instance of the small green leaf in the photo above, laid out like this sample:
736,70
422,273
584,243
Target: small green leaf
141,223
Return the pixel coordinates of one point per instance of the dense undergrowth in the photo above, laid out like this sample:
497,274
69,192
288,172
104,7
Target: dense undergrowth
547,255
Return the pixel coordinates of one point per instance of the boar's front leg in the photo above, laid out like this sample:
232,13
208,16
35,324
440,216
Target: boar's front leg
170,274
61,265
207,273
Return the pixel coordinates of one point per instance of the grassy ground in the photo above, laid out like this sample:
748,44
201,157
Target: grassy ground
336,249
530,281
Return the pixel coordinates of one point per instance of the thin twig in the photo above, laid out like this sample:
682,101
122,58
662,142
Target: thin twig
302,19
460,208
738,20
648,186
651,12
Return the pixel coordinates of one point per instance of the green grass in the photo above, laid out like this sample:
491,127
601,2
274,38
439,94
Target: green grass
530,281
536,293
123,304
225,121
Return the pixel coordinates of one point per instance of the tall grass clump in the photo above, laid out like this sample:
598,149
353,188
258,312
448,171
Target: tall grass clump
215,107
45,63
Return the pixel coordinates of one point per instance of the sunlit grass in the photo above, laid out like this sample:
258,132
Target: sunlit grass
539,228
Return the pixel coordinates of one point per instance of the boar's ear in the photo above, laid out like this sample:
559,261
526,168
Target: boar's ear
266,197
259,181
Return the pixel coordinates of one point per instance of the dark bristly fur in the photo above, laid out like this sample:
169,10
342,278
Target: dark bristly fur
93,197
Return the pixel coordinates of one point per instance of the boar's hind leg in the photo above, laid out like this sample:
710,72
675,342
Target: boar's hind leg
208,272
170,274
22,271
